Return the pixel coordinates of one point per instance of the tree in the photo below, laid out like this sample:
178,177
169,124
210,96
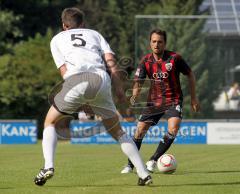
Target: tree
115,20
8,31
27,77
24,78
36,16
125,11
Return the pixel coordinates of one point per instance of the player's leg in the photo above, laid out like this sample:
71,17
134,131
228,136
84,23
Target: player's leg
165,143
146,120
173,116
49,143
67,98
142,128
128,147
103,106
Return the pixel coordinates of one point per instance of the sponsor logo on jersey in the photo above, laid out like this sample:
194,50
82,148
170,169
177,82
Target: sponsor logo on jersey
160,75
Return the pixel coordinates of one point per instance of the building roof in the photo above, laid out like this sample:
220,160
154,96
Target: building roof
226,18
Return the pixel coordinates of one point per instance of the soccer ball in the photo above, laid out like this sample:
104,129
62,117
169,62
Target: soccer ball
167,164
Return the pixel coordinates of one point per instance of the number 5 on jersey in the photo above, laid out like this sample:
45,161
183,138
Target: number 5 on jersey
78,40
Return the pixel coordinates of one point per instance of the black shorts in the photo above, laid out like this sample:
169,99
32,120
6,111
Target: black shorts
153,118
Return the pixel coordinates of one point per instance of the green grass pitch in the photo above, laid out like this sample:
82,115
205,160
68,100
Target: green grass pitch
96,169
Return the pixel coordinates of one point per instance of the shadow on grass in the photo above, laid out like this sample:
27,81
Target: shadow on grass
130,185
2,188
207,172
153,185
93,186
198,184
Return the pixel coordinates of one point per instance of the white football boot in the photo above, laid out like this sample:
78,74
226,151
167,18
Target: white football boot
151,165
127,169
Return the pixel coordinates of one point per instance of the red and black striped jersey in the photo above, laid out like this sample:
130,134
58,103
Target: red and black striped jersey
165,89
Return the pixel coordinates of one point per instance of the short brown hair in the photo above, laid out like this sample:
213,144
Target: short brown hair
72,17
159,32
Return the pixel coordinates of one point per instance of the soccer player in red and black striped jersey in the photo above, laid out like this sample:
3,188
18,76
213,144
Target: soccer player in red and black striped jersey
165,96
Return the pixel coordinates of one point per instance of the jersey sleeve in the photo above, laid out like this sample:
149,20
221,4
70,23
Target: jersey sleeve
141,72
182,66
56,54
105,48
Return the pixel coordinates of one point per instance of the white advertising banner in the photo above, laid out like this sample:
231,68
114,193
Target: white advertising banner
223,133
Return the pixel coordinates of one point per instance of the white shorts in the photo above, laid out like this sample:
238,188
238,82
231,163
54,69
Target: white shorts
93,89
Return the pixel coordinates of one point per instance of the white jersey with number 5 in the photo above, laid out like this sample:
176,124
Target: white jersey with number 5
80,50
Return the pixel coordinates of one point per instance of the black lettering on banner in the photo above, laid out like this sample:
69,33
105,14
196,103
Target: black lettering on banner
80,42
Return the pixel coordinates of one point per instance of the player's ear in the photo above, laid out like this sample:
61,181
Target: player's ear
65,27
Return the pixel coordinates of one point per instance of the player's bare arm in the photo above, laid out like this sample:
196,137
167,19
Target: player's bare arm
136,91
63,70
117,83
194,101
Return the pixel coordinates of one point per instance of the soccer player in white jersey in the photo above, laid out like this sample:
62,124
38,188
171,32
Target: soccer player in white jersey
81,56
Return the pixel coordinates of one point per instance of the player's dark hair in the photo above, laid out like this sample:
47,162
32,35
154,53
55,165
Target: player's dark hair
72,17
159,32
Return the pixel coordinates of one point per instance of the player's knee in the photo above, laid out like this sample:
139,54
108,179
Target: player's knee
141,132
124,138
173,131
117,134
49,122
113,127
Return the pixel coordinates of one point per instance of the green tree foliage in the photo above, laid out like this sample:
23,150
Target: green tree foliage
125,11
27,77
8,31
37,16
115,20
28,73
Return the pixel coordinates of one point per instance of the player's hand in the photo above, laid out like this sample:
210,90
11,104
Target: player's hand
133,100
195,105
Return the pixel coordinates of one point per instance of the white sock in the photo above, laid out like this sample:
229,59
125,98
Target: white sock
49,144
130,149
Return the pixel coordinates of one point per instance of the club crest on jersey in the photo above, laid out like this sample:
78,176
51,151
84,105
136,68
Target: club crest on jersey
168,66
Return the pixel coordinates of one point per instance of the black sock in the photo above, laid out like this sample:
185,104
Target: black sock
163,146
138,143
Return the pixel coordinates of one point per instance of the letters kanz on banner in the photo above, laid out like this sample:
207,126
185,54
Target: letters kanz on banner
18,132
